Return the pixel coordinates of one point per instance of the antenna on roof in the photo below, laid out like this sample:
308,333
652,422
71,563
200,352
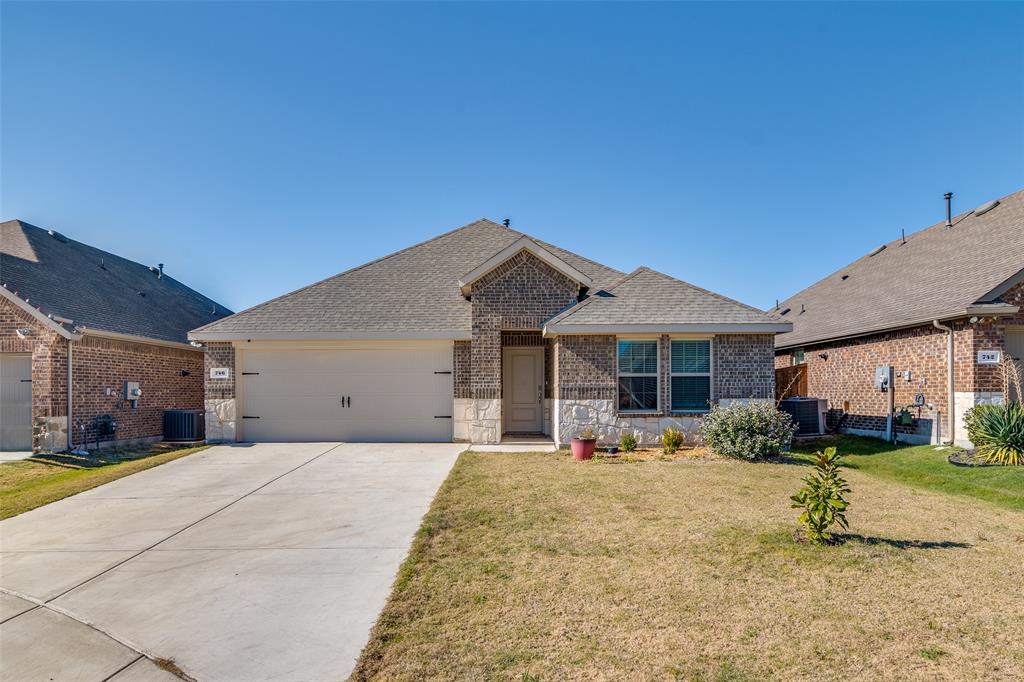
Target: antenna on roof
949,209
506,222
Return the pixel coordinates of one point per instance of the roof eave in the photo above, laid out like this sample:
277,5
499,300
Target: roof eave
453,334
984,310
681,328
38,315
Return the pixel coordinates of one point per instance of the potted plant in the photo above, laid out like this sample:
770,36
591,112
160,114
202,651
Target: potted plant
583,444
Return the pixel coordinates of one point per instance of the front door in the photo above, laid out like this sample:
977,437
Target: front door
523,389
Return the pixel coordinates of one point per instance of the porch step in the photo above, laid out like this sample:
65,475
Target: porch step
517,444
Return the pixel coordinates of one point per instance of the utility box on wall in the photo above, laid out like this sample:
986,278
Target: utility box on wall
883,377
132,392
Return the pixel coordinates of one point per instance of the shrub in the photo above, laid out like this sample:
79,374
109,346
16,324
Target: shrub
821,498
997,432
747,431
672,440
627,443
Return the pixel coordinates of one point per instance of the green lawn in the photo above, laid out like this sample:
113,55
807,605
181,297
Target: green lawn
925,467
30,483
536,567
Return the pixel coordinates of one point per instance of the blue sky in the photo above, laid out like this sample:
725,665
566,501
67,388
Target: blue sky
747,148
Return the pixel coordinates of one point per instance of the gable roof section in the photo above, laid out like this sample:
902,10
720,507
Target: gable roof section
95,289
411,293
524,243
650,301
937,273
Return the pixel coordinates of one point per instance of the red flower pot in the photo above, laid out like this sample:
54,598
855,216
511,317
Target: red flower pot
583,449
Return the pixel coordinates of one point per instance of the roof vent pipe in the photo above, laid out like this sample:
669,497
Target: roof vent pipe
949,209
160,275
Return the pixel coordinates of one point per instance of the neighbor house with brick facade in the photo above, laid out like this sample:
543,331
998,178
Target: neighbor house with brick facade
478,334
76,323
941,306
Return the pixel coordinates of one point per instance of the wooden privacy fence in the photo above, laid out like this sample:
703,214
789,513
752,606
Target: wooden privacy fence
790,382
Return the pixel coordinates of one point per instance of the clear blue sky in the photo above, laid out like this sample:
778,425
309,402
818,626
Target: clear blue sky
748,148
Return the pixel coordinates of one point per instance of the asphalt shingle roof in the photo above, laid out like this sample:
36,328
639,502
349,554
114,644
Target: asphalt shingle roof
938,272
97,289
413,290
650,297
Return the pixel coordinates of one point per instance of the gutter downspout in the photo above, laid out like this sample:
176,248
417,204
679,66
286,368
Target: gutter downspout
949,379
71,429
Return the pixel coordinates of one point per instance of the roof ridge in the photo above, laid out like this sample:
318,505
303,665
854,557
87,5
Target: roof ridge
349,271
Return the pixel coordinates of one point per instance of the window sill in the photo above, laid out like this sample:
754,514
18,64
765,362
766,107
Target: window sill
687,413
639,413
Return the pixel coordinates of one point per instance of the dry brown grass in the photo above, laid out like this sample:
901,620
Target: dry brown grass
536,567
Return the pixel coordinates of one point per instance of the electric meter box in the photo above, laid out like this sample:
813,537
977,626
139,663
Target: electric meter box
883,377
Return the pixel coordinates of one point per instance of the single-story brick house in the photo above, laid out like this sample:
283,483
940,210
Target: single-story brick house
942,307
76,323
477,333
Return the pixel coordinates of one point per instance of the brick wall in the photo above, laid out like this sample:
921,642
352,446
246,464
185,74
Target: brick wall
461,369
586,367
99,364
219,354
989,334
519,294
846,377
743,366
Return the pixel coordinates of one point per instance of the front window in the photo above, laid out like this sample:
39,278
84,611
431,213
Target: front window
691,376
638,376
798,356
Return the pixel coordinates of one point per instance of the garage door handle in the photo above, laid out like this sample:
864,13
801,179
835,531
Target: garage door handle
245,416
26,381
248,374
442,416
442,372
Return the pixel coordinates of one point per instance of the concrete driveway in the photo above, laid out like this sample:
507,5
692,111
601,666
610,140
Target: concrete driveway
245,562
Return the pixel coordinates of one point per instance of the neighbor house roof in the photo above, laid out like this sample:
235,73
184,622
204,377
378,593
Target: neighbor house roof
414,292
81,287
650,301
937,273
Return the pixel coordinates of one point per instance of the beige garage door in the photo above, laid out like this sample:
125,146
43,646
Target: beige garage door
397,392
15,401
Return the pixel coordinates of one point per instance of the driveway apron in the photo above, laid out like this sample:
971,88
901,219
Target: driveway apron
243,562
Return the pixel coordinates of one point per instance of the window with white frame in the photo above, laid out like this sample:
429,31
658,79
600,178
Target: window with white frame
638,375
691,375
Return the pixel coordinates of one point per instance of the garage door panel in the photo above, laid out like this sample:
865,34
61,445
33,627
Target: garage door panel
316,430
390,394
423,406
335,385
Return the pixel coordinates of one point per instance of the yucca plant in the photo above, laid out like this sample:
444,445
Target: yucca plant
822,499
998,434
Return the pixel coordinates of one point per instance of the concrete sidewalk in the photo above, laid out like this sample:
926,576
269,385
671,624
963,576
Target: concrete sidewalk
247,562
